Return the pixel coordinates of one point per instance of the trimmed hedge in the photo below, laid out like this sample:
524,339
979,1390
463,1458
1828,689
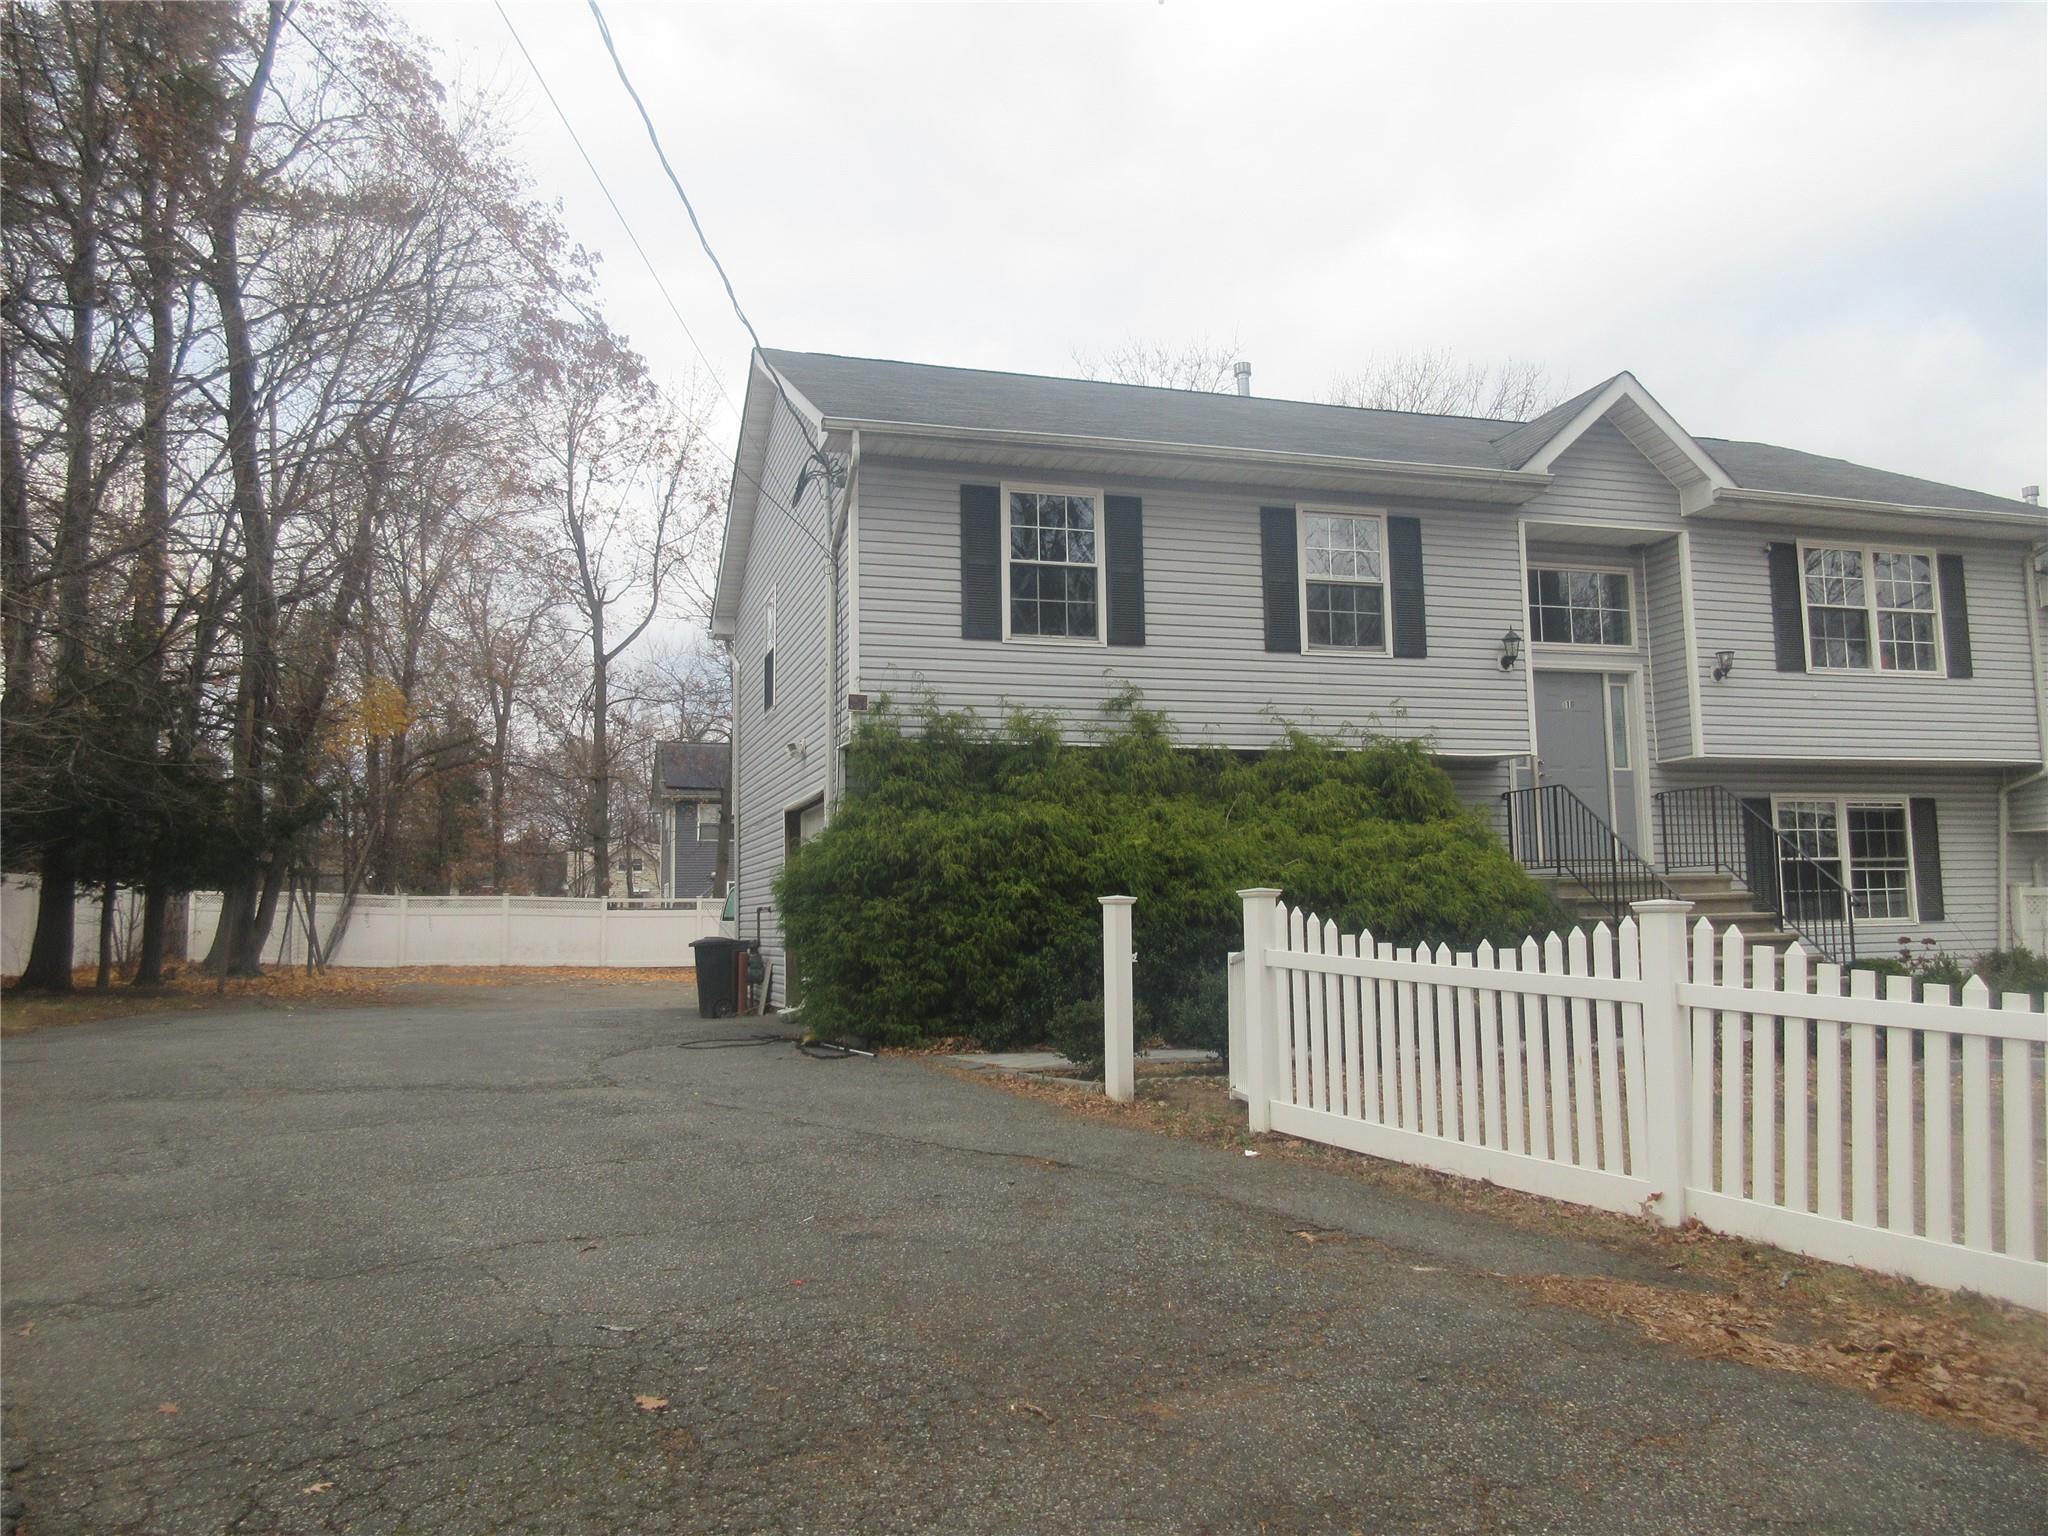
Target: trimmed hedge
955,890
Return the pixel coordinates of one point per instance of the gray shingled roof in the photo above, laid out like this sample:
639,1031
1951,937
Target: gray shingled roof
870,389
692,765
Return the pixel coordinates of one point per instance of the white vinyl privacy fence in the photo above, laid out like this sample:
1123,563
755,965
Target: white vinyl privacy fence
483,930
1659,1068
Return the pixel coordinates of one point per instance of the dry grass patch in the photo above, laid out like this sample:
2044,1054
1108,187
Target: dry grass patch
1959,1358
190,989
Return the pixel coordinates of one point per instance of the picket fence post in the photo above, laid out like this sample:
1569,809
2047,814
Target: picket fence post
1118,1070
1261,1005
504,928
1667,1054
404,924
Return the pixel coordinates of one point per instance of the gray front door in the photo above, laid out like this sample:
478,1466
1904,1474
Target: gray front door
1571,749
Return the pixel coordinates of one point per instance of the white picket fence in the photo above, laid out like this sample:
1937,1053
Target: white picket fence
483,930
1651,1068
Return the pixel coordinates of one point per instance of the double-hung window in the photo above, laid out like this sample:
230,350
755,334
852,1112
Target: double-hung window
1344,588
1863,847
1870,606
1578,607
1054,563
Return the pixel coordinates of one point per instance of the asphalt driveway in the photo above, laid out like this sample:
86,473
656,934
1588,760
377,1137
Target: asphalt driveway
407,1268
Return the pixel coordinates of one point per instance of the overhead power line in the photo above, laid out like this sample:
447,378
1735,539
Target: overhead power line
624,223
540,268
704,240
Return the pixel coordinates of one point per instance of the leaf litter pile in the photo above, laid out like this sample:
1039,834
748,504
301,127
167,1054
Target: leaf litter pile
1958,1358
189,988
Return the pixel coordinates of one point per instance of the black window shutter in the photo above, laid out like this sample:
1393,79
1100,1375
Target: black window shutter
981,562
1787,624
1927,859
1760,848
1123,526
1404,570
1280,578
767,680
1955,615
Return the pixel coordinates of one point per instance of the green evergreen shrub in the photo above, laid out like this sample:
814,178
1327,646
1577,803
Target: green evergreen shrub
955,890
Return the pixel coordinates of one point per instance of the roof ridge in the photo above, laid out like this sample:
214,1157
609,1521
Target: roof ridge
1164,389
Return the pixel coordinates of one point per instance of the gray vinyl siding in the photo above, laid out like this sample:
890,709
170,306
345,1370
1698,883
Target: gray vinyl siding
1670,722
1602,478
691,865
1205,662
768,778
1966,812
1869,716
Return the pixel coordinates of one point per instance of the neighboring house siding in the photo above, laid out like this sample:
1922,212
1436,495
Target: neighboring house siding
1204,662
695,863
769,778
1967,816
1877,716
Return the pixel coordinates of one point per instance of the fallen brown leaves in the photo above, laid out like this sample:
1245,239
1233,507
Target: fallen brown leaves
1959,1358
1929,1363
647,1403
191,988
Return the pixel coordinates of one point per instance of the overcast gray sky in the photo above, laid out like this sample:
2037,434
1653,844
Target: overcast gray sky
1822,226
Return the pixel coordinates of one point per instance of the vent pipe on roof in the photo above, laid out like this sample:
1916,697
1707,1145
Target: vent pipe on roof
2030,494
1243,370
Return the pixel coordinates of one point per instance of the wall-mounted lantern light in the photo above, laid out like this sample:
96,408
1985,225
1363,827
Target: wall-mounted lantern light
1724,663
1510,649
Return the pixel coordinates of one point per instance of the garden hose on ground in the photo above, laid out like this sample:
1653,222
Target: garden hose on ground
819,1050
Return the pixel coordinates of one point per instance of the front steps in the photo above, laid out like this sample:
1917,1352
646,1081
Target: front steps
1716,897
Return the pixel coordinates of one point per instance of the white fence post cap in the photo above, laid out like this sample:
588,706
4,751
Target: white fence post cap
1261,890
1116,901
1662,904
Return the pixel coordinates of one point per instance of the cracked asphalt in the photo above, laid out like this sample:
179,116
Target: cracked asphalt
405,1269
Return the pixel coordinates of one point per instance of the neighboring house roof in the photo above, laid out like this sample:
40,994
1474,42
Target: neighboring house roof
871,390
692,767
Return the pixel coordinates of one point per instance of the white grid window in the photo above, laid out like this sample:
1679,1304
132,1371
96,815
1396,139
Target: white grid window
1345,594
1054,565
1855,595
1866,846
1578,607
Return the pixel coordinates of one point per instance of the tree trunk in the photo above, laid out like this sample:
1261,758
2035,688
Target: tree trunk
600,760
256,688
105,979
49,954
156,911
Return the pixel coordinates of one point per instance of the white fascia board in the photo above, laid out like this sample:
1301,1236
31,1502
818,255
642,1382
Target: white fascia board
1744,505
1624,386
749,461
1508,486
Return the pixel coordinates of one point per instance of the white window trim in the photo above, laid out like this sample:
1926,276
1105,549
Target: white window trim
1870,610
1101,566
1601,648
1302,512
1841,804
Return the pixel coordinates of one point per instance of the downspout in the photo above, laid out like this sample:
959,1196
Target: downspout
836,526
2031,575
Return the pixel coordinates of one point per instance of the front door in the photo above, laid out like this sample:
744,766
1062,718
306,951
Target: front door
1583,742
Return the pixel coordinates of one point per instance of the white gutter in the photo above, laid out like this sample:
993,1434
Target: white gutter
1462,474
2029,521
2031,575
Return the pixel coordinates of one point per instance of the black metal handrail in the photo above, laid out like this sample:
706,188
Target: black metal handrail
1551,829
1708,827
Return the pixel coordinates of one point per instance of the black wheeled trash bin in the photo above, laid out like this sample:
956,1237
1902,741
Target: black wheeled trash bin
718,975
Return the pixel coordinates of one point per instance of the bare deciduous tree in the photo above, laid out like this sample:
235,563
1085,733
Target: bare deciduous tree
1201,365
1433,382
